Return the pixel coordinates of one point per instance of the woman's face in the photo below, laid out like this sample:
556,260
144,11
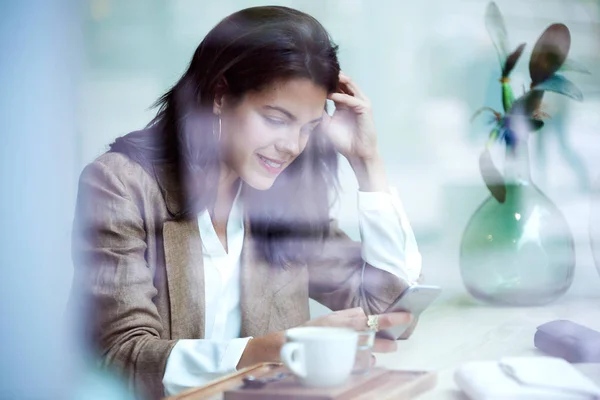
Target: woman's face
264,132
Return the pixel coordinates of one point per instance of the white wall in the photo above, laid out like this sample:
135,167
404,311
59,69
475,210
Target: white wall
427,66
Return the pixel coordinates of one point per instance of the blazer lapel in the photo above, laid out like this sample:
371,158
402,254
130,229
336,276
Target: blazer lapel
183,257
260,282
185,278
255,297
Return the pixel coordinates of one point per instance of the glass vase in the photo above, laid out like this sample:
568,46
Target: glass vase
520,251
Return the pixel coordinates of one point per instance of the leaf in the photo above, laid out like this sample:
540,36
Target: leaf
549,53
559,84
574,66
493,136
511,61
482,109
492,177
494,23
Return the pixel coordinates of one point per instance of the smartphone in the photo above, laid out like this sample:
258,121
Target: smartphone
415,299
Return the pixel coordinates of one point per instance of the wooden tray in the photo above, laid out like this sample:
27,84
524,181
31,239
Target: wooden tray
378,384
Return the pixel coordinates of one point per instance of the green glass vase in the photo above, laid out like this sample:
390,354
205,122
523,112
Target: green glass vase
519,251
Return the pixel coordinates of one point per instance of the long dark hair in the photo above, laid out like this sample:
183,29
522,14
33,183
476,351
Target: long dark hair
245,52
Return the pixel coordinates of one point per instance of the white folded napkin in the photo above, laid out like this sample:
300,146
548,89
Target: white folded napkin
525,378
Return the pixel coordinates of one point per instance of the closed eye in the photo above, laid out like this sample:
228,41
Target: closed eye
276,122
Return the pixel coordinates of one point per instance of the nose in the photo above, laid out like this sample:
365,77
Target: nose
290,143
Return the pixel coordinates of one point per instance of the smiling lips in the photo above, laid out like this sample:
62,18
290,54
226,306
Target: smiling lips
273,166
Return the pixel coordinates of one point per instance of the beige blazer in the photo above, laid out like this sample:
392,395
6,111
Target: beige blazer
142,272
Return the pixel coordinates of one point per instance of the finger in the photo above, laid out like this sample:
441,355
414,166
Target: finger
351,312
389,320
354,318
343,88
359,323
338,105
352,102
357,319
348,82
384,346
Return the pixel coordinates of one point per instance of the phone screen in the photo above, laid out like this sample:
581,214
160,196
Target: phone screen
415,299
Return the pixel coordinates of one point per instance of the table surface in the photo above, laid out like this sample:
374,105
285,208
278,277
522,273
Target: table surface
458,329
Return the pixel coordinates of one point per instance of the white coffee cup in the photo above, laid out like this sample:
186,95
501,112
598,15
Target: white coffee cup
320,356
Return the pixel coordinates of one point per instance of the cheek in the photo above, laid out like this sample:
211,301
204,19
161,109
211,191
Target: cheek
255,135
245,136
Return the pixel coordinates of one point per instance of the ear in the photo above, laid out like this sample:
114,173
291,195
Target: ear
220,92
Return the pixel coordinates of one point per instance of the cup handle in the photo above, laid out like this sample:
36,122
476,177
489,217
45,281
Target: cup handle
292,355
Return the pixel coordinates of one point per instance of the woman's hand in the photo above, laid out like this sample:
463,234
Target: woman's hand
266,348
356,319
262,349
351,129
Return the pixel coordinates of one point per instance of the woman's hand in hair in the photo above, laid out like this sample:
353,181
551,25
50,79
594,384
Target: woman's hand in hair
351,129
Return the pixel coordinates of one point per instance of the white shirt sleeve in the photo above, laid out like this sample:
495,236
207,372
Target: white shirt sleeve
388,241
195,362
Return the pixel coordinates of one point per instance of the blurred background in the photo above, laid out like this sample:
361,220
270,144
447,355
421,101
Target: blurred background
77,74
427,67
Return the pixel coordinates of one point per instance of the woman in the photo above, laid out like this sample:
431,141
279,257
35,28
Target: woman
201,238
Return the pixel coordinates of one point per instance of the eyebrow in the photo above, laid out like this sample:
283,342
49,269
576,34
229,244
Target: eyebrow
289,114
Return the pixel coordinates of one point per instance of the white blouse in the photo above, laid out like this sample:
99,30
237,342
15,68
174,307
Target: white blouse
388,243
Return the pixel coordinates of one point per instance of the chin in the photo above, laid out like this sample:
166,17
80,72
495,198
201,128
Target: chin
259,182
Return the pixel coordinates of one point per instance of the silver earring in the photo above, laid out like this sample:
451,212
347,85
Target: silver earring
218,136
